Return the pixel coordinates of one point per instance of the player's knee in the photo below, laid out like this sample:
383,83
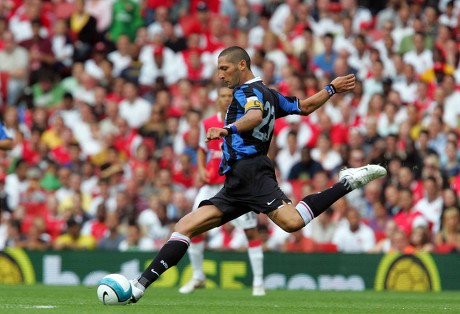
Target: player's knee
182,227
293,225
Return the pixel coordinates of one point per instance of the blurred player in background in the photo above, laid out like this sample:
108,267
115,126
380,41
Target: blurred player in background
209,158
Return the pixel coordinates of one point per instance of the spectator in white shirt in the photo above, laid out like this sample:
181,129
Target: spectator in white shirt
451,102
288,156
120,58
102,11
321,230
353,236
134,109
387,15
94,65
360,59
159,61
303,130
270,45
374,84
407,88
256,34
361,16
61,44
16,183
85,92
345,40
420,57
154,222
135,241
14,60
403,25
323,153
280,15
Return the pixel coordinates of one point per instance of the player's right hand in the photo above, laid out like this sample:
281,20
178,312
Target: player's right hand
215,134
344,83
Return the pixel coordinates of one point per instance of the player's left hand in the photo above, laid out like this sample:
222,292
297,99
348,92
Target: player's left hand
344,83
215,134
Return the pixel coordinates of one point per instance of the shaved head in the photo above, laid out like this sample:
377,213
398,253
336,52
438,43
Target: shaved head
235,54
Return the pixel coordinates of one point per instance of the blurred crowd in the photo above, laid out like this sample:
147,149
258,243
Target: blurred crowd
104,100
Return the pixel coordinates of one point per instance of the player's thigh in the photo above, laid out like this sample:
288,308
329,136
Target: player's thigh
287,218
200,220
205,193
246,221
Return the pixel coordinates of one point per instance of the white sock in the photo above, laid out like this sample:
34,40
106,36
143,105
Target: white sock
256,257
305,212
196,254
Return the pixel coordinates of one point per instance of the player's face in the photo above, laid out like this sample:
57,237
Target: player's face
224,98
228,72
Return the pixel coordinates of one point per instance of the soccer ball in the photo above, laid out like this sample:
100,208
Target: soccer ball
114,289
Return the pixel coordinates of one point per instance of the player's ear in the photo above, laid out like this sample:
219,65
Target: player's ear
242,65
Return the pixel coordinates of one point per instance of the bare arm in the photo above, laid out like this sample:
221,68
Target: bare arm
342,84
201,163
249,121
6,144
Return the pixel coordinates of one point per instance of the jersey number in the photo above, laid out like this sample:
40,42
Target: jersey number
268,121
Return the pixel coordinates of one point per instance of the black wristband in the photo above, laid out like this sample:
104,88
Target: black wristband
231,129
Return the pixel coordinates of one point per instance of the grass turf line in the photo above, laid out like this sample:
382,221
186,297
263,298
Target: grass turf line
78,299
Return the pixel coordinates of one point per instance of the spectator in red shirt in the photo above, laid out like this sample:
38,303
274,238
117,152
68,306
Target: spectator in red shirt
407,217
297,242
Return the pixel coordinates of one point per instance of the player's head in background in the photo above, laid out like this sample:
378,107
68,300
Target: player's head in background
234,66
224,98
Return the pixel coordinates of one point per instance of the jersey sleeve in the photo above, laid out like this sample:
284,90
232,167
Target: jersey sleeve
249,99
287,105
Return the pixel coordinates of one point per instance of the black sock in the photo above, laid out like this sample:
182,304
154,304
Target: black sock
168,256
321,201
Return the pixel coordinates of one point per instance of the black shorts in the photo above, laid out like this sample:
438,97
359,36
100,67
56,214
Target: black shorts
250,185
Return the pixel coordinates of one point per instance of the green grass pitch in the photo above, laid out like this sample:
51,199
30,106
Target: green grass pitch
82,300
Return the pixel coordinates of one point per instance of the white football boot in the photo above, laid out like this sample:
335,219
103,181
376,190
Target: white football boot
258,291
359,177
137,291
192,285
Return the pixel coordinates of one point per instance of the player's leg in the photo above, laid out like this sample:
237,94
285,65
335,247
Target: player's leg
191,225
248,222
197,244
291,218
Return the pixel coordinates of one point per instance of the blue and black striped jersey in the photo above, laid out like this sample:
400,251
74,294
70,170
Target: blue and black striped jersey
254,95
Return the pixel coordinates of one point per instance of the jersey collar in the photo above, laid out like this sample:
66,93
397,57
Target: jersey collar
256,79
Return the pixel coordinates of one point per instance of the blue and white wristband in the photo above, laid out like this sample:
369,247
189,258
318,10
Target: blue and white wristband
330,89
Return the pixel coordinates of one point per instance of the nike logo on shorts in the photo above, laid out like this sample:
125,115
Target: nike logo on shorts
269,203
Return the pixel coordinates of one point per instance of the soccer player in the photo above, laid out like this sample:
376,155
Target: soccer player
250,182
6,142
209,157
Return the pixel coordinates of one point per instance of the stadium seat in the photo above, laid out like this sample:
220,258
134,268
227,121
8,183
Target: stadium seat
326,247
445,248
